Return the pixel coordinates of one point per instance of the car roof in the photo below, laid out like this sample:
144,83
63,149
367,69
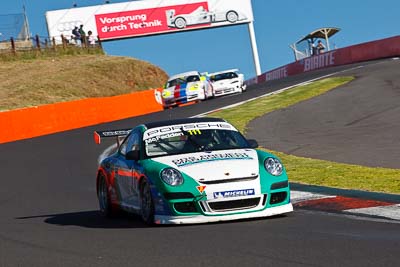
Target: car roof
224,71
181,121
184,74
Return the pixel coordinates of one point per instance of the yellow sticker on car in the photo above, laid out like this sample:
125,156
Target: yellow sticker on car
194,87
166,93
194,132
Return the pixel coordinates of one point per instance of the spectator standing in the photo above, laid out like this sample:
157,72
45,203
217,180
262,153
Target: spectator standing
76,36
83,34
320,47
314,49
91,40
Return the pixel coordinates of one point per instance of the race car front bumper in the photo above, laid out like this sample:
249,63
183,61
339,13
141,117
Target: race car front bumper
193,219
180,100
227,90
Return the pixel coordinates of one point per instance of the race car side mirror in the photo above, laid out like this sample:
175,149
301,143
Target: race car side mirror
253,143
133,155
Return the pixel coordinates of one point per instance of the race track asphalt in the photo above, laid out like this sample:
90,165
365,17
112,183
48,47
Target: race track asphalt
358,123
49,214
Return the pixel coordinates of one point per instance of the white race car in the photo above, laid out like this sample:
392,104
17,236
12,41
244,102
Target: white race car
186,87
201,16
227,82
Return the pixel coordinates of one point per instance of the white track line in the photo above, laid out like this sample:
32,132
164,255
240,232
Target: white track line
275,92
300,196
391,212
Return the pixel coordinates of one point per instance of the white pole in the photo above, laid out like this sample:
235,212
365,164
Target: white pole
254,49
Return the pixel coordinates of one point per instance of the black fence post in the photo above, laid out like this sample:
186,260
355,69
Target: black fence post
64,42
37,40
84,41
13,50
99,41
54,44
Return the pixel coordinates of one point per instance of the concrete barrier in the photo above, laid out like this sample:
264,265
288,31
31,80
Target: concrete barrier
385,48
36,121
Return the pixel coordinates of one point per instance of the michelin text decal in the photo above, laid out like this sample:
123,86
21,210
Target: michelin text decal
234,193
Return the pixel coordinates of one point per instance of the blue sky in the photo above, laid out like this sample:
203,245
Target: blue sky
277,24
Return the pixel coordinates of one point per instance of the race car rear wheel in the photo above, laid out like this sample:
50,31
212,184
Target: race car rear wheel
180,23
232,16
146,203
104,197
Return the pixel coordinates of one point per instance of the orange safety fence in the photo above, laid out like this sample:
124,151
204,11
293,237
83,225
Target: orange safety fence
36,121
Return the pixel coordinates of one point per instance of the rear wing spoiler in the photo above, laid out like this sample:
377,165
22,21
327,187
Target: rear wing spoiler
98,135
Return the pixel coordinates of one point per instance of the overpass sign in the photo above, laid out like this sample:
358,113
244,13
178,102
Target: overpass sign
148,17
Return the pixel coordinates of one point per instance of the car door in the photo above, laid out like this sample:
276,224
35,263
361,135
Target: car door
126,175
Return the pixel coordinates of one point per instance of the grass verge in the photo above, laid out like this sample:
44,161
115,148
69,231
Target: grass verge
46,80
307,170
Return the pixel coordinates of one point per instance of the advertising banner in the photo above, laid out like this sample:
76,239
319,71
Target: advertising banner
385,48
148,17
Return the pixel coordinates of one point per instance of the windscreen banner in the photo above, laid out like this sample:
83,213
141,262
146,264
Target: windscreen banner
148,17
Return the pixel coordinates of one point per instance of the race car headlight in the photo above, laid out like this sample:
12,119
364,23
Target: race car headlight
194,87
273,166
171,177
166,94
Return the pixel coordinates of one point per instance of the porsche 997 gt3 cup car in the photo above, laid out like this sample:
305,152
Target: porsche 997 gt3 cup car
227,82
186,87
190,171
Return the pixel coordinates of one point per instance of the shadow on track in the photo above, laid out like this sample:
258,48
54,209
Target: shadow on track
93,219
90,219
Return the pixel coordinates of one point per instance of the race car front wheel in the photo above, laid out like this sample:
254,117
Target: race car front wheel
147,205
104,198
180,23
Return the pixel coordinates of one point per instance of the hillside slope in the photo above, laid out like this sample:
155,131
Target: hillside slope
43,81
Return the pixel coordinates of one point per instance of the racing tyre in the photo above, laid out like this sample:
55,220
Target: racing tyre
180,23
232,16
146,203
104,197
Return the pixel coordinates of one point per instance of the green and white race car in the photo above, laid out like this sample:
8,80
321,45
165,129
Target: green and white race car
194,170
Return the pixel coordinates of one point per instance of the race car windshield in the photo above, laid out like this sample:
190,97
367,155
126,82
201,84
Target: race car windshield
175,82
223,76
195,140
192,78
